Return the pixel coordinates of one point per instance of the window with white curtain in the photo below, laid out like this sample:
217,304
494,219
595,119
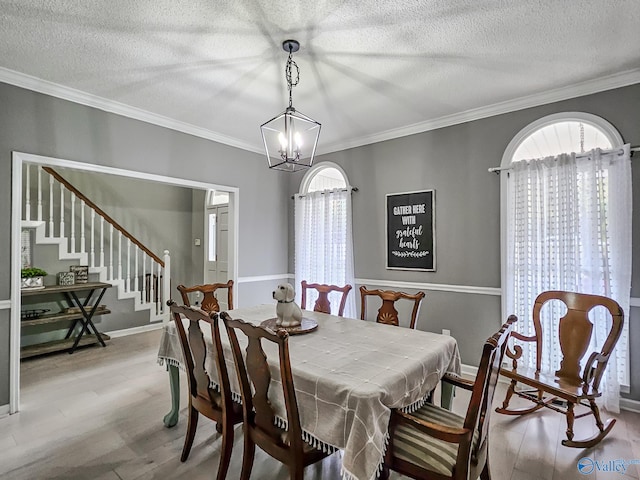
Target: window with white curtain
323,234
567,226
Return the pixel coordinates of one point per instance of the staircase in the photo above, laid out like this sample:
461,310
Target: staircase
63,216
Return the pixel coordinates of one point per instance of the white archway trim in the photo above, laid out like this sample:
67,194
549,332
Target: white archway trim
306,180
600,123
20,158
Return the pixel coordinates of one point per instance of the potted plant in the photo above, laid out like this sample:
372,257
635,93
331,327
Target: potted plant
32,277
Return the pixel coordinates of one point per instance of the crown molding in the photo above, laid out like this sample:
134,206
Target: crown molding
83,98
588,87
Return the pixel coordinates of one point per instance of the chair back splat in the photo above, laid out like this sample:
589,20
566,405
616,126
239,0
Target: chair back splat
322,303
433,443
216,405
209,301
387,313
260,425
570,383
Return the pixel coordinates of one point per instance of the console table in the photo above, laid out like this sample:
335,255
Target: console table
84,305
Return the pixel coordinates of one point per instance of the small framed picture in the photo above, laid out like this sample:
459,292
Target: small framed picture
81,272
66,278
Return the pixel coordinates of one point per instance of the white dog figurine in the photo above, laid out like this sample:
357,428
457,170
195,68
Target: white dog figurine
287,311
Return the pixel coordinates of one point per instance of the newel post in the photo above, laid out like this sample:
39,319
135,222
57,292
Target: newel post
166,287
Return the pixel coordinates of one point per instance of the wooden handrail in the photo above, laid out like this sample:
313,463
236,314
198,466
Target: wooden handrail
100,212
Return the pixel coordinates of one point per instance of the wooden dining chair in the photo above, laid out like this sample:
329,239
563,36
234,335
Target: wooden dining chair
215,404
322,303
260,428
573,384
387,313
433,443
209,301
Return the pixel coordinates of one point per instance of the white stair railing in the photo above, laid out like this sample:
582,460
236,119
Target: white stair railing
136,271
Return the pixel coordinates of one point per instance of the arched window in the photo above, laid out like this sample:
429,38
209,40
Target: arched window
565,195
561,133
325,176
323,233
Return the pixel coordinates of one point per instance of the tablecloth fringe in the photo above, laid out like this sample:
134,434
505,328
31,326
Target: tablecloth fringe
347,475
170,362
281,423
415,405
308,437
236,397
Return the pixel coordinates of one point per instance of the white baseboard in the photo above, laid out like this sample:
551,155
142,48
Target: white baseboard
630,405
4,410
468,371
132,331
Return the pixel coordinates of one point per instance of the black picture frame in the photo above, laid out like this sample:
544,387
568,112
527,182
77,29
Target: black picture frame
410,231
81,273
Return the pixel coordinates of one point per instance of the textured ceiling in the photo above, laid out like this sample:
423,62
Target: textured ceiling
366,66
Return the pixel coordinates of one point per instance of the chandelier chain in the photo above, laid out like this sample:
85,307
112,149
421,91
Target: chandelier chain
289,74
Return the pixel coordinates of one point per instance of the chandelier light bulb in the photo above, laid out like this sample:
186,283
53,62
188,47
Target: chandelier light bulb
283,141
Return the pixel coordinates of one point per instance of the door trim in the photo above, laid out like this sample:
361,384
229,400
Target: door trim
18,159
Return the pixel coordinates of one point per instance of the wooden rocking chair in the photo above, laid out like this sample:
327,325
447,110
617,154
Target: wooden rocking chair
568,384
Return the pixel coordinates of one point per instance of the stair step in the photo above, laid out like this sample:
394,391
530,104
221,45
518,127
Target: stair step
124,287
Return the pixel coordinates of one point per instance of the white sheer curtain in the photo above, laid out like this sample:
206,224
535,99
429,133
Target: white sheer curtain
324,244
569,228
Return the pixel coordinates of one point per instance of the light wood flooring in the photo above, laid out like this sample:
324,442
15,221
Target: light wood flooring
97,414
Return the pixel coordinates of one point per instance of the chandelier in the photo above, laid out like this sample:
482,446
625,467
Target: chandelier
290,138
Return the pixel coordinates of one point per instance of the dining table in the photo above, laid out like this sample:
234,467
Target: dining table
348,375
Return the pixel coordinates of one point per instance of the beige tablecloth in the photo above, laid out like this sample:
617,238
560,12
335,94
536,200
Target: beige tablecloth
348,375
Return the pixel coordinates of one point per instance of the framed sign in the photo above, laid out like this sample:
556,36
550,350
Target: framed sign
81,273
411,240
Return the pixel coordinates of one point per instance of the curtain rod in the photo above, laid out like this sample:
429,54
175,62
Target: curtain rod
497,170
348,189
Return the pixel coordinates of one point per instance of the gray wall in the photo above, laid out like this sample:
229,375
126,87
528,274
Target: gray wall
4,354
454,162
43,125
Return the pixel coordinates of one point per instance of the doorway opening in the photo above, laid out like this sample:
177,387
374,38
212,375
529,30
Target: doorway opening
19,160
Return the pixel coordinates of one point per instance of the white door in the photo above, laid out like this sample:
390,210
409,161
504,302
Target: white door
217,253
